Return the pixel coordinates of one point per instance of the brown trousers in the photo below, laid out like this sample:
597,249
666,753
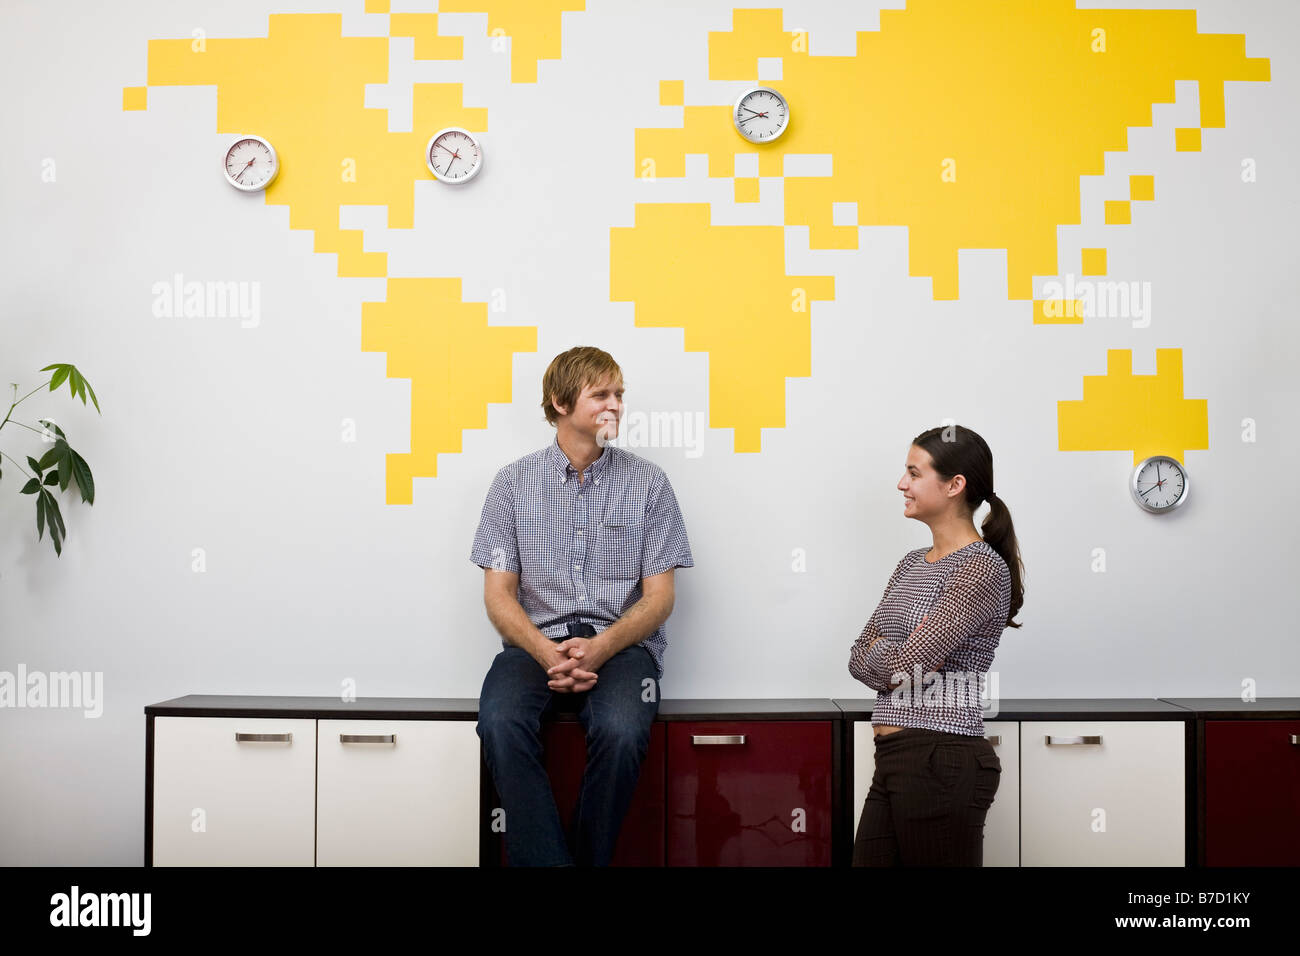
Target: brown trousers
928,800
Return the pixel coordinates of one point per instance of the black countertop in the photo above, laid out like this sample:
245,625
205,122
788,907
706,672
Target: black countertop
1233,708
397,708
740,708
466,708
1064,708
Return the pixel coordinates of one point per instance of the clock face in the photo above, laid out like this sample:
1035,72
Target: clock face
453,155
251,164
761,114
1159,484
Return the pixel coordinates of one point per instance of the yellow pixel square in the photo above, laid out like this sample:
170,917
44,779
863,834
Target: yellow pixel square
1118,212
746,189
1094,262
1058,311
1142,188
377,6
135,97
1187,140
672,92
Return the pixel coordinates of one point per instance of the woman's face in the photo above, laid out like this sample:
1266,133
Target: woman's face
925,494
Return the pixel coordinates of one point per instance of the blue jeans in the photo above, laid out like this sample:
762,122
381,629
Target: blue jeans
617,720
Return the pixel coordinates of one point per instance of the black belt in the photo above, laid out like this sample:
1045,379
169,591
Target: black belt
578,627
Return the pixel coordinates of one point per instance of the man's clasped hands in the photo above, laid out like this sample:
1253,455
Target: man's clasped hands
572,664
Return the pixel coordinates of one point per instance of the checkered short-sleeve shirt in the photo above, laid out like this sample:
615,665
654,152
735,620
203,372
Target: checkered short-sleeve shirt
581,550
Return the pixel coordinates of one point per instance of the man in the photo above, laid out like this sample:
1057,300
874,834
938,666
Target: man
578,543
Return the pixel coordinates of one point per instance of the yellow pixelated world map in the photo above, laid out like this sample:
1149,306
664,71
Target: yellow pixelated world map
994,110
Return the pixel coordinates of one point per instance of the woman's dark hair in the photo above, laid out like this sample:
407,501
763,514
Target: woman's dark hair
959,451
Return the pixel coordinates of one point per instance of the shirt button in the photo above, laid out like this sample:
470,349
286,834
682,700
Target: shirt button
579,531
577,567
582,597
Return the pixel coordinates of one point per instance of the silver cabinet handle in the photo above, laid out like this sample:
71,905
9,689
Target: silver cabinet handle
995,740
367,738
276,738
1295,738
1058,741
721,739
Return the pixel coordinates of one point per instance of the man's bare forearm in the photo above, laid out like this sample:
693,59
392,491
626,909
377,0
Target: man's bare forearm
512,623
638,622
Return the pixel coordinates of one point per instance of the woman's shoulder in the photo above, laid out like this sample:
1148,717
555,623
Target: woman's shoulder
987,556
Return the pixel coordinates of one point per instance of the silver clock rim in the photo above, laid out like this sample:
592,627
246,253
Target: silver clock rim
735,114
1133,484
428,161
275,164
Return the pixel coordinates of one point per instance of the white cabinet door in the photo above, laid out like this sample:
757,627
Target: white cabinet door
1001,826
1119,802
401,793
223,801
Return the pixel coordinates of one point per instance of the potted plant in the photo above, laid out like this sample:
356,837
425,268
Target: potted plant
62,460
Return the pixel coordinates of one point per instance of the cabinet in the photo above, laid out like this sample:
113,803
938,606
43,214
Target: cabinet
564,745
233,791
396,793
1102,793
1248,780
749,793
297,781
1111,789
724,783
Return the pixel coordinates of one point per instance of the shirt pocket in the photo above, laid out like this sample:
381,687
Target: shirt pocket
618,545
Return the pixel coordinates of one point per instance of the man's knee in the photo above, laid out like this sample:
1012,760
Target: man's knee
502,709
622,731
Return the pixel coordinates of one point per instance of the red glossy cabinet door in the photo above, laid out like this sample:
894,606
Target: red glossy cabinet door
765,801
1252,793
641,841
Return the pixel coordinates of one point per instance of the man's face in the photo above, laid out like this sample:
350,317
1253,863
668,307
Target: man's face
597,411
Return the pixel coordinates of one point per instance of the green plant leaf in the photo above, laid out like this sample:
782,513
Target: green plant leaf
49,423
55,515
40,517
53,454
78,386
36,467
51,478
59,376
85,480
92,394
31,486
65,471
57,531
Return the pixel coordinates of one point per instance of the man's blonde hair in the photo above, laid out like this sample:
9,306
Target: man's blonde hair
572,371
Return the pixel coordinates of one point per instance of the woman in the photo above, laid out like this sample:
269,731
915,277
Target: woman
924,651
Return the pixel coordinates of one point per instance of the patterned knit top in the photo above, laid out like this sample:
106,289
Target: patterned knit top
936,667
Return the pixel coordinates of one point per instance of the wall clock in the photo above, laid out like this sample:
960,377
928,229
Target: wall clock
251,163
1159,484
453,155
761,114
